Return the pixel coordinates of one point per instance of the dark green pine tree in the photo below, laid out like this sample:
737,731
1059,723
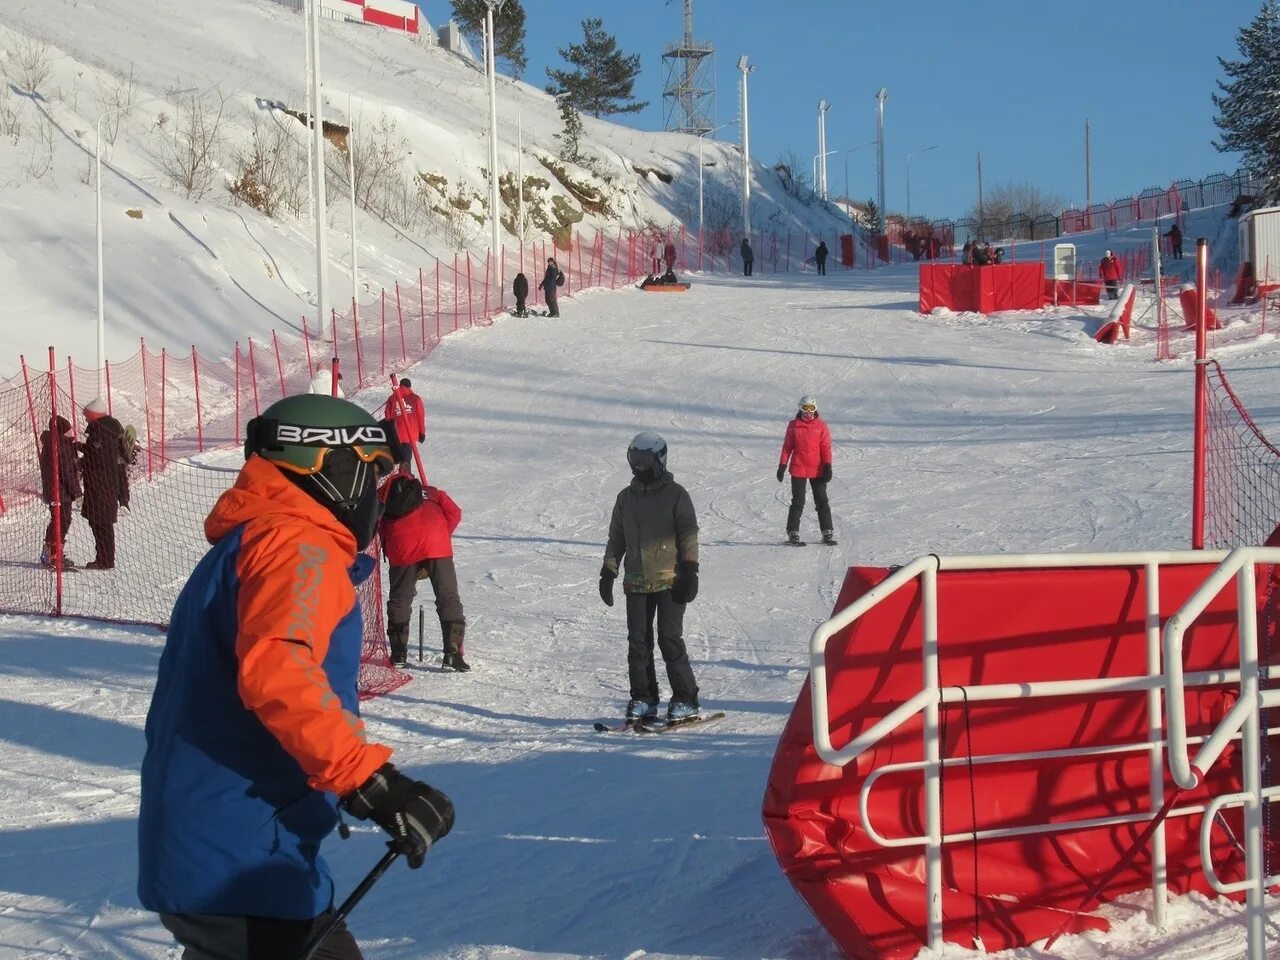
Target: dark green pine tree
508,30
603,77
1249,104
570,135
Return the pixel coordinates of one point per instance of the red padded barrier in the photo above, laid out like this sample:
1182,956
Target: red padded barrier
1189,300
1000,286
994,626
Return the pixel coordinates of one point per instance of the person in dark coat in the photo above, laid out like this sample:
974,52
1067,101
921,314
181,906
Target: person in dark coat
980,254
552,280
68,489
820,257
1175,240
103,464
747,256
669,255
521,289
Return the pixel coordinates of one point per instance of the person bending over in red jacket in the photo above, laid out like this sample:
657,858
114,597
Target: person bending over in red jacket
807,446
416,531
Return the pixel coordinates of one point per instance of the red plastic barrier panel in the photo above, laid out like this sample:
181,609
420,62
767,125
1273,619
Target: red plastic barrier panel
846,249
1189,300
1072,292
1002,286
1006,626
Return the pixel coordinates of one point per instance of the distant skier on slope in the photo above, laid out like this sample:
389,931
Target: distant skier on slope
807,448
520,289
653,537
1111,271
552,281
253,735
820,257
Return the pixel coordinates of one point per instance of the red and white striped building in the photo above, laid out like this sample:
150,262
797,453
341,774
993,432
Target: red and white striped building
396,14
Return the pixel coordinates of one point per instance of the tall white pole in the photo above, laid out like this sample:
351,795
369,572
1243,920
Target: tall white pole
823,107
351,181
102,325
495,241
746,152
306,87
520,185
881,96
318,191
700,195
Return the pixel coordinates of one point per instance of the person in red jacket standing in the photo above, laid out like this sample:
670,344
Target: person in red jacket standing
417,529
1112,272
406,408
807,448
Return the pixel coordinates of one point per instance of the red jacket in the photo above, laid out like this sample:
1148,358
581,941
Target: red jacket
406,409
1110,268
808,446
424,534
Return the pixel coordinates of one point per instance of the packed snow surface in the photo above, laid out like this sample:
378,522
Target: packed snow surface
953,433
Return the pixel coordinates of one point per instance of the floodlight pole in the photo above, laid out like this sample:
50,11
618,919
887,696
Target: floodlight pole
746,151
914,153
823,107
491,76
520,185
318,187
881,96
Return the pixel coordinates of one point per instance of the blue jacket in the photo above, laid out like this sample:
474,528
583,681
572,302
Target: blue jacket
230,821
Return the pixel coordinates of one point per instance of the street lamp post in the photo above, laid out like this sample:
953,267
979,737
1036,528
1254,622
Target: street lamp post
351,183
823,107
97,178
318,186
847,197
746,150
491,77
914,153
881,96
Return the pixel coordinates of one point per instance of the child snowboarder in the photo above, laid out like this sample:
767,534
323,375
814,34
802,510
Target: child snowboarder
416,531
520,287
653,536
253,735
807,447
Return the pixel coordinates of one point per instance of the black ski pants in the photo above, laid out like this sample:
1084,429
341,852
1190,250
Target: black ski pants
819,501
822,266
207,936
553,305
746,268
64,518
520,307
642,610
104,542
404,587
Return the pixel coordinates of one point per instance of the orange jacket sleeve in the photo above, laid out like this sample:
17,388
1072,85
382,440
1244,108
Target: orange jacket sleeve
294,589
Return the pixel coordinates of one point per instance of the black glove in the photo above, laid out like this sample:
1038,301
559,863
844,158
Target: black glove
825,475
685,589
422,438
782,471
607,577
415,814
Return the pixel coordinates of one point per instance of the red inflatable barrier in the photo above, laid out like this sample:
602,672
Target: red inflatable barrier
1189,300
1000,286
1003,626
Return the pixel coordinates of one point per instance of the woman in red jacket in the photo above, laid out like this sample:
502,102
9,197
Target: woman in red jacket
1112,272
416,531
807,446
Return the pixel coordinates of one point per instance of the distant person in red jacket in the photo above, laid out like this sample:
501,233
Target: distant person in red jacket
1112,272
417,539
406,409
807,448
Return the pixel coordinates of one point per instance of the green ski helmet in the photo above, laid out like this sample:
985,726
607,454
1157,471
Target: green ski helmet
332,449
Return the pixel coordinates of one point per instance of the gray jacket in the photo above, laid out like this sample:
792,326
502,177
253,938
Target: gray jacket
652,529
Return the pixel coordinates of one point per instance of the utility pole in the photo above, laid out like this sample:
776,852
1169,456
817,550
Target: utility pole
317,120
1088,190
491,75
980,214
746,151
881,96
823,107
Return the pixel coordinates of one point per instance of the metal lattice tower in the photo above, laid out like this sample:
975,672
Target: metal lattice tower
689,82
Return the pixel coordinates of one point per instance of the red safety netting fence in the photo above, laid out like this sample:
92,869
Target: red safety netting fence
1242,471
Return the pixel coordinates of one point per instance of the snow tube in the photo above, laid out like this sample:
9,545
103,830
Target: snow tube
665,288
994,626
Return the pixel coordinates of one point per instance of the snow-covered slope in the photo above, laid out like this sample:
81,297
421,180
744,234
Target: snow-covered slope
180,272
954,433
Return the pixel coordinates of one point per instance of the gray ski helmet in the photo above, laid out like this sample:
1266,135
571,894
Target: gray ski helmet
809,403
647,455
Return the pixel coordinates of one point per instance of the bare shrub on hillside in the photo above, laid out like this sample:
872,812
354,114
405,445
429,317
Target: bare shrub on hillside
10,115
377,160
28,62
721,219
115,96
458,226
189,154
270,171
40,163
1010,210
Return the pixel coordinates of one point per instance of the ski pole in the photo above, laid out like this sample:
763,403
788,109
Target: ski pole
317,941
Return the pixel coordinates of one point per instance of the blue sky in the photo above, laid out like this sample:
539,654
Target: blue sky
1014,79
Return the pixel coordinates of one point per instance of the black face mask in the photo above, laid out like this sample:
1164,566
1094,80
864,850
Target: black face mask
348,487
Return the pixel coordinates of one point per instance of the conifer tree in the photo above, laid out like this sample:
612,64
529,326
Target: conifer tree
570,135
508,29
1249,104
603,77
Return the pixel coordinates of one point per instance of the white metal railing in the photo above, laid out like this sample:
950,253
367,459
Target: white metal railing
1154,682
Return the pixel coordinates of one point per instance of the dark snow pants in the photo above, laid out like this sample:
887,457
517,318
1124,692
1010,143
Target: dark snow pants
211,937
520,307
404,587
104,542
64,517
819,501
822,266
642,610
553,305
746,268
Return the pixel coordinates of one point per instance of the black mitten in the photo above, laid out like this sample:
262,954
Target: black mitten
685,589
782,471
825,476
414,813
607,577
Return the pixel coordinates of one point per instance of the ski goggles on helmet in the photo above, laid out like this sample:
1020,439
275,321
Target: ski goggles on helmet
643,461
307,449
809,408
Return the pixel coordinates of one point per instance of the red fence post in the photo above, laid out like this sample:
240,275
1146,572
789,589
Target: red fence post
306,343
355,322
487,258
471,299
71,386
422,310
275,343
106,368
195,378
404,352
253,379
437,299
237,413
164,390
1199,454
55,548
455,292
382,370
146,406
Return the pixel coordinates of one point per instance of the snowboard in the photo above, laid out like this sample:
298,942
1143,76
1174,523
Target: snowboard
657,725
